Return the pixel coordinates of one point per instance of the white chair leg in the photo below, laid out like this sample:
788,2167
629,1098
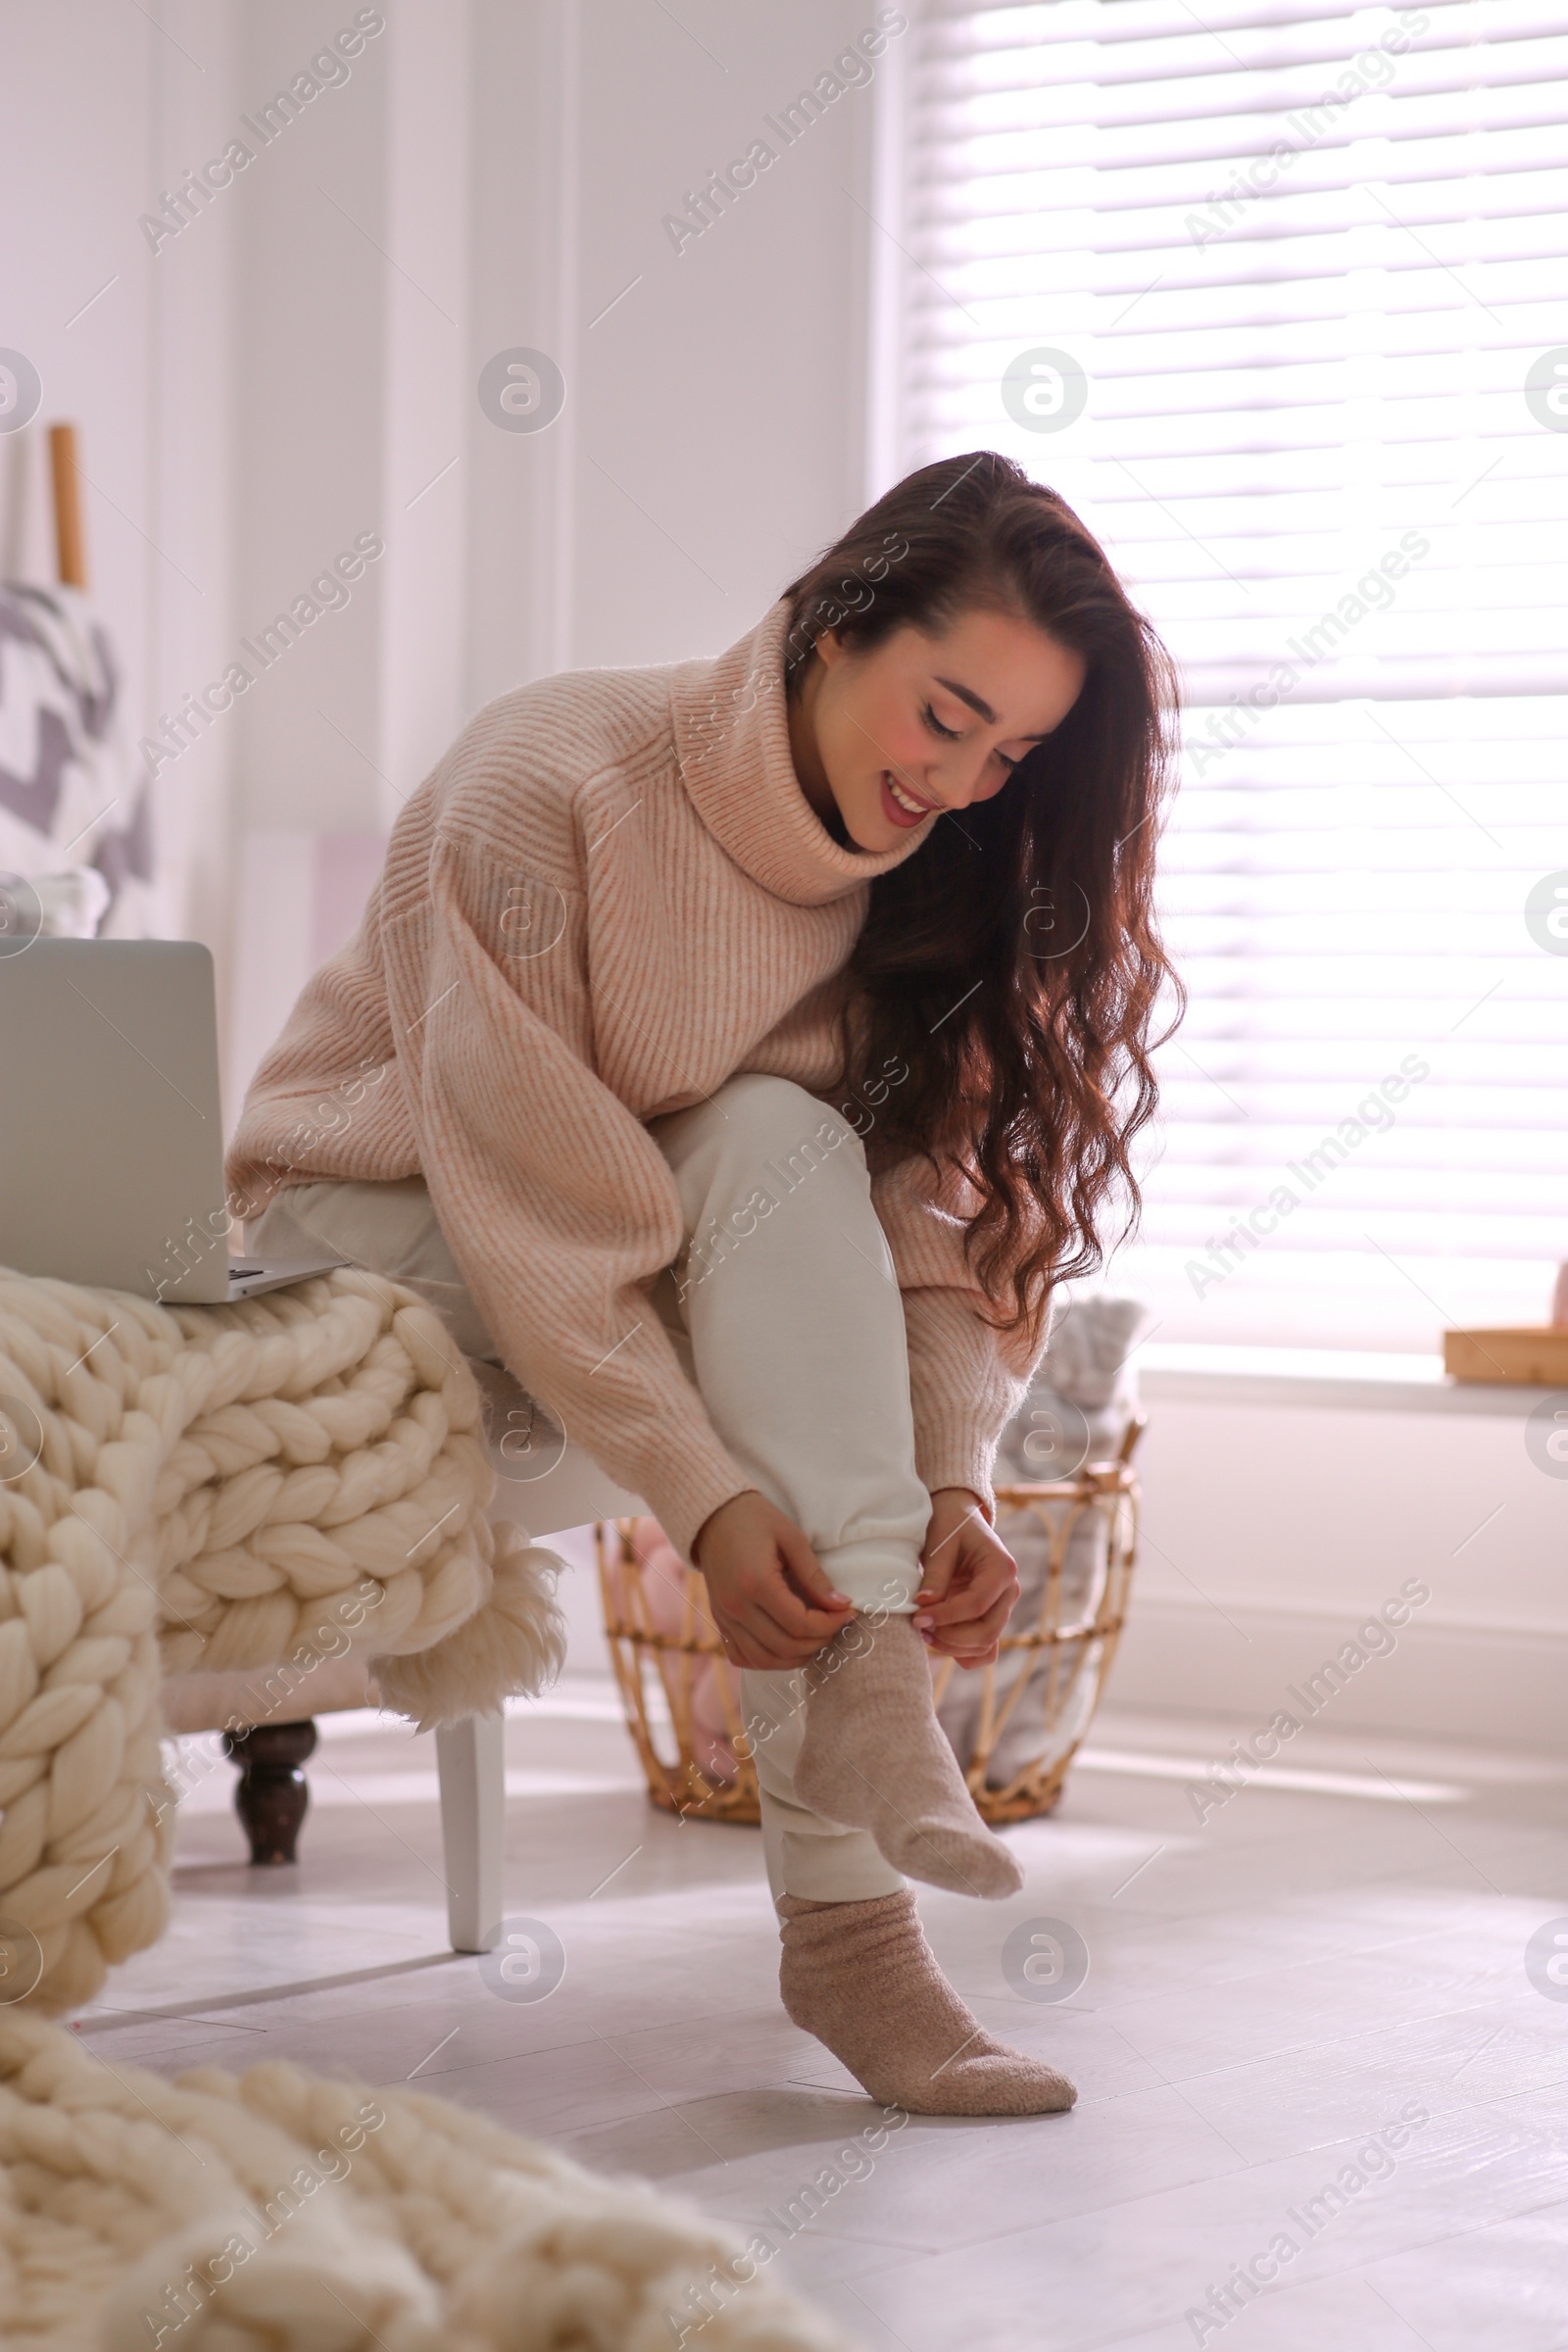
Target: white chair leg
472,1760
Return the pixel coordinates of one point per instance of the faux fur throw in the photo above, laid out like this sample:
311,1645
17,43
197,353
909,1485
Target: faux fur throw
260,1486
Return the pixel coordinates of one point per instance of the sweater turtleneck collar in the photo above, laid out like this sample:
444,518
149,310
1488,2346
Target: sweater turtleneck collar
732,742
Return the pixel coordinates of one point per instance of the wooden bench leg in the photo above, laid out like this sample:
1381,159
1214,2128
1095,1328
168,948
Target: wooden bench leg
270,1795
472,1760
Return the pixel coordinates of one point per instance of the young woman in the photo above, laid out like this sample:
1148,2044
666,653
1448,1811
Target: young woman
739,1051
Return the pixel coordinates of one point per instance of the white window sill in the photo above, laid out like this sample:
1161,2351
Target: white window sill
1344,1379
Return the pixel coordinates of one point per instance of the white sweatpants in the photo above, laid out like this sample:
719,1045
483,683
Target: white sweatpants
786,1315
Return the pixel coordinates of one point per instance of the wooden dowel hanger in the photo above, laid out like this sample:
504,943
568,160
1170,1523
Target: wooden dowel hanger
71,553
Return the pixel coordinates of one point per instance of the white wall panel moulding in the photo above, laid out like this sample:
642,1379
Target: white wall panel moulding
428,395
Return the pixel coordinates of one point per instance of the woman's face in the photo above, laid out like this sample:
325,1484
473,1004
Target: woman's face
926,723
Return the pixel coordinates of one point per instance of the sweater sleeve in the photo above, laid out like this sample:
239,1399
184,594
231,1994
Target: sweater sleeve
967,1379
553,1198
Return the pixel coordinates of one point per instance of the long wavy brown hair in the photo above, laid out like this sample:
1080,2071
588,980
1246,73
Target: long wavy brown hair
1014,962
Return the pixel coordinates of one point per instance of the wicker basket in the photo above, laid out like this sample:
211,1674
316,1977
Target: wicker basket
1063,1663
1054,1656
657,1671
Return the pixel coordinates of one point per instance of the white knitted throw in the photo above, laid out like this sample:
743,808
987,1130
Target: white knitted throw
264,1486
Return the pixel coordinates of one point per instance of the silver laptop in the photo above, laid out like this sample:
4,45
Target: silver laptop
111,1134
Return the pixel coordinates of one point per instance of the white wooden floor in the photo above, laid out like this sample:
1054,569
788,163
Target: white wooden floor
1266,1993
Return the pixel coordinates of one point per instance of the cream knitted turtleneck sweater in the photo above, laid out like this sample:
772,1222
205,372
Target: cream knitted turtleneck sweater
611,896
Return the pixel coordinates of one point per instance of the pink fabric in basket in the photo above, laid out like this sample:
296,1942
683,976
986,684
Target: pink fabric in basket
663,1575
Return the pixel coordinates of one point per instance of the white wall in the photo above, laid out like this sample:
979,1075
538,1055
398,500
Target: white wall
714,436
506,172
354,412
1271,1532
100,107
299,365
311,423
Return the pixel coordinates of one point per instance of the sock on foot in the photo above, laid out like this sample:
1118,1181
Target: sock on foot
864,1980
874,1757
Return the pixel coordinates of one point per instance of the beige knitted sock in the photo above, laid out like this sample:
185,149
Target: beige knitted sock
874,1757
863,1977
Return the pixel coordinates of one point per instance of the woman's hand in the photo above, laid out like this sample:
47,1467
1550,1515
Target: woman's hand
972,1582
773,1607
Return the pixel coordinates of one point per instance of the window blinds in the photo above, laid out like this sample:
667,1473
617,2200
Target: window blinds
1299,269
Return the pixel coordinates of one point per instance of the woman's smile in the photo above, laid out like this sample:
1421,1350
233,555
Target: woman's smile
900,806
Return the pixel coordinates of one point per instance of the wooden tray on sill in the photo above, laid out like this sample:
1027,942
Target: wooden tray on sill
1523,1355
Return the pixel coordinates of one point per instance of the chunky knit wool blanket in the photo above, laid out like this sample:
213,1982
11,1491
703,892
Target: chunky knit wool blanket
265,1485
284,2212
